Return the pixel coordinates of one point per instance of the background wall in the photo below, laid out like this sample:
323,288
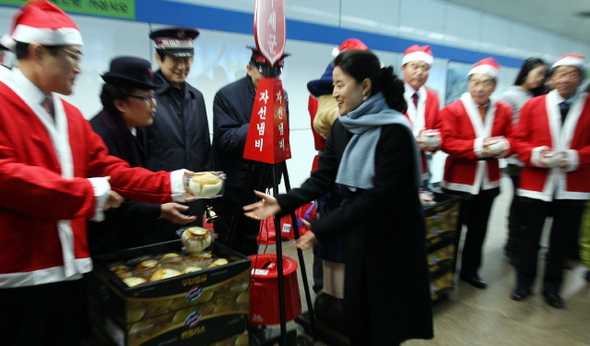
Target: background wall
458,37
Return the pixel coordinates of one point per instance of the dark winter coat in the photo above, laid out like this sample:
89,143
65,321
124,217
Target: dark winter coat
178,138
232,109
387,297
123,227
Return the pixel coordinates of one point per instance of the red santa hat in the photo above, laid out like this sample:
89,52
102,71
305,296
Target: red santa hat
417,53
349,44
571,59
487,66
44,23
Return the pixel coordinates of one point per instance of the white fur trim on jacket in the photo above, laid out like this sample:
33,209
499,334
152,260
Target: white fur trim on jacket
44,276
573,160
59,135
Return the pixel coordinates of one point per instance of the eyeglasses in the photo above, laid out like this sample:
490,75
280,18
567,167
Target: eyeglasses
148,99
76,56
485,84
419,66
572,75
187,60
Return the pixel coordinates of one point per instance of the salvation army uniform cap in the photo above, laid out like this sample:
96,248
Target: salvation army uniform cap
259,58
175,41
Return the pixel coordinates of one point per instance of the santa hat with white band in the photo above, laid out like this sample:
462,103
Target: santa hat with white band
44,23
349,44
487,66
571,59
417,53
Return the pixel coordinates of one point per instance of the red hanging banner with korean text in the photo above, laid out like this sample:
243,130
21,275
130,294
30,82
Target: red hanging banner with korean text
268,134
269,29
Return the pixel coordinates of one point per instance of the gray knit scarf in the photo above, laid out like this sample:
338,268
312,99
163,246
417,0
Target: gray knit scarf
357,167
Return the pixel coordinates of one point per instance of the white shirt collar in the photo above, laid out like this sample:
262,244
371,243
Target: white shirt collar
409,91
31,90
571,100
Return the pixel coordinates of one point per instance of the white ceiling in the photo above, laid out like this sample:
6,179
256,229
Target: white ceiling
556,16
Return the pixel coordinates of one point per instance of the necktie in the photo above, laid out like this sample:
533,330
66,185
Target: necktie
415,99
482,112
48,106
564,107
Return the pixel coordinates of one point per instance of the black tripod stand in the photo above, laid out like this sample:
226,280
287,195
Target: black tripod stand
272,173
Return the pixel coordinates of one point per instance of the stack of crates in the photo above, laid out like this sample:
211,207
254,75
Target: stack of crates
199,308
441,230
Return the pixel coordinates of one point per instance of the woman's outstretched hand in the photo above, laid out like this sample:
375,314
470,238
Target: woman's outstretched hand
306,241
263,209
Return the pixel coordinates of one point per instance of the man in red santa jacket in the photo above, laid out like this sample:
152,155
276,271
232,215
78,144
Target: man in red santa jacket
423,103
552,138
54,176
474,130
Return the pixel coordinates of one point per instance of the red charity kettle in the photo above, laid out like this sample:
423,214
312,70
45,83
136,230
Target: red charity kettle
264,291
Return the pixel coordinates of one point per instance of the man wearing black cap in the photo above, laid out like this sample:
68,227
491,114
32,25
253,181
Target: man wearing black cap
129,103
232,109
179,136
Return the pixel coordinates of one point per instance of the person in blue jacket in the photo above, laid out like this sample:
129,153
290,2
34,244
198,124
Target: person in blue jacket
232,108
179,136
129,103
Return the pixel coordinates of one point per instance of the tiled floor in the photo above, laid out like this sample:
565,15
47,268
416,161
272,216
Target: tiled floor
489,317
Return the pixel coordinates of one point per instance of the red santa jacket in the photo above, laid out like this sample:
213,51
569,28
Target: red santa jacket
424,116
45,198
540,128
463,134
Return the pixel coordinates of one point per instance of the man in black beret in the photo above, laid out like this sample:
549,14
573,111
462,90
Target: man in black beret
179,136
129,105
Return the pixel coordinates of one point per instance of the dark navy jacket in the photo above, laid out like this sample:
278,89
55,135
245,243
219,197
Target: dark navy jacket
232,109
179,137
123,227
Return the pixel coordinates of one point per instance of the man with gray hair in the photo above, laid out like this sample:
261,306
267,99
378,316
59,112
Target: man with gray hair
552,139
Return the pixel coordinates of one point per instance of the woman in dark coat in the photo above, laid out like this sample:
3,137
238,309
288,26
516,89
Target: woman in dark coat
129,103
372,153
